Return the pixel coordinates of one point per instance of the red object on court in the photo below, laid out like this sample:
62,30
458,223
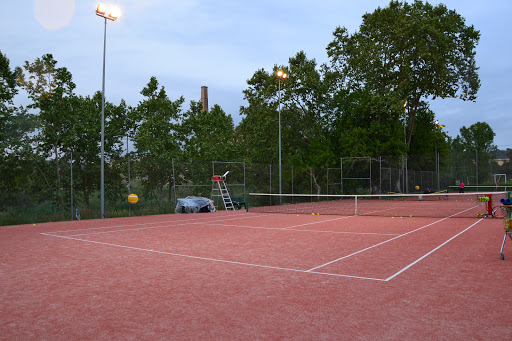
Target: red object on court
216,178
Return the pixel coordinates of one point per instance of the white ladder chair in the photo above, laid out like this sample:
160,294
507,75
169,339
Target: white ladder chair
223,190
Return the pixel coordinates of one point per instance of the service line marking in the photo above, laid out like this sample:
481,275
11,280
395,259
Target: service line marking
387,241
292,230
212,259
169,224
432,251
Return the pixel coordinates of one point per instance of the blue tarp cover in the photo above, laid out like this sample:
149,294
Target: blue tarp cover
194,205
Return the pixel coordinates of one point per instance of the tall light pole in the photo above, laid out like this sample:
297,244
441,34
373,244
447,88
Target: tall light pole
280,76
110,14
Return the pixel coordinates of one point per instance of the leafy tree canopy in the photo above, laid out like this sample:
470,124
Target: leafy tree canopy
417,51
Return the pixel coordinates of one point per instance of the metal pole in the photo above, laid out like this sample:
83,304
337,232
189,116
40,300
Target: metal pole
341,174
435,158
380,174
371,187
476,161
129,180
102,185
279,107
71,185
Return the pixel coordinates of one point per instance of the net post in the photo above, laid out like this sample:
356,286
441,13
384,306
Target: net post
356,205
489,204
247,203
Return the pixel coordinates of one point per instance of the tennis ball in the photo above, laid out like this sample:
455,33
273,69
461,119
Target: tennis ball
34,224
417,188
133,199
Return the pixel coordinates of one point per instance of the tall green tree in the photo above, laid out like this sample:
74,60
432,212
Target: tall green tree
477,141
302,102
417,51
51,90
158,136
83,141
210,134
16,124
367,124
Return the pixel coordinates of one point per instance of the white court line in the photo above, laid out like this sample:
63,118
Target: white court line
289,229
432,251
159,222
318,222
169,224
212,259
387,241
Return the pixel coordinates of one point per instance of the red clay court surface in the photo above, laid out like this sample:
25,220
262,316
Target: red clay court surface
246,276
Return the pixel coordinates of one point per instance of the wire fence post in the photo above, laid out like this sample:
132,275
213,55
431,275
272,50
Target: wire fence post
71,183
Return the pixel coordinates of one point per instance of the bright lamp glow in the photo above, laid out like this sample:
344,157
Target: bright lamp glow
280,74
101,9
108,11
115,12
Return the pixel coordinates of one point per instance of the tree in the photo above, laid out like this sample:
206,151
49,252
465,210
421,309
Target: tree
16,124
209,134
51,90
506,168
83,140
157,136
417,51
366,124
478,141
303,99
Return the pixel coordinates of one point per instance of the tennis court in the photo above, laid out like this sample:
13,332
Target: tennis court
243,275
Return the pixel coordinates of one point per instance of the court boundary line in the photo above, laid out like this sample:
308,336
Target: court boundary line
148,227
312,270
387,241
431,251
294,230
213,259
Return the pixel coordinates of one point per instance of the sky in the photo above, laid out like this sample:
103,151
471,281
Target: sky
187,44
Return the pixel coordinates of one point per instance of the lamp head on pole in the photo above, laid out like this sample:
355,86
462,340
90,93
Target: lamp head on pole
108,12
281,75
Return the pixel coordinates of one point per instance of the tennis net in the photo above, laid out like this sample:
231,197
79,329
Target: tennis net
467,205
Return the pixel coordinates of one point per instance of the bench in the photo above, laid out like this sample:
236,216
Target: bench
238,202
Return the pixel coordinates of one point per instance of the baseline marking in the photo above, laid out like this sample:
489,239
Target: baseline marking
212,259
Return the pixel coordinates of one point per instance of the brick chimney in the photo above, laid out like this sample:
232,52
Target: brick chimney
204,97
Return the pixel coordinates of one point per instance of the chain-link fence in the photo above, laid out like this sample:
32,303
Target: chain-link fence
159,183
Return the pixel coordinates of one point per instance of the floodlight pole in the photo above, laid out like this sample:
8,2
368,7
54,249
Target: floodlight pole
280,75
103,15
279,109
102,186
